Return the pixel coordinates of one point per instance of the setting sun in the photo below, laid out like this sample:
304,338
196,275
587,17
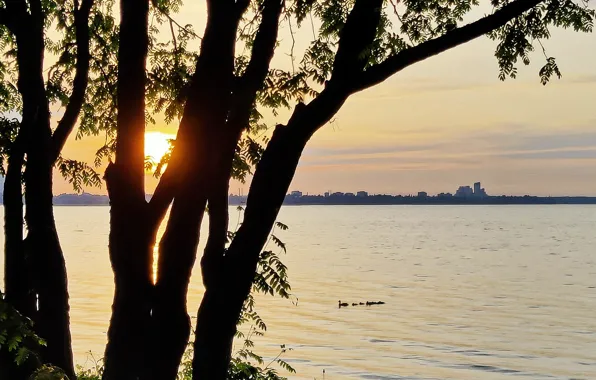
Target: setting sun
157,144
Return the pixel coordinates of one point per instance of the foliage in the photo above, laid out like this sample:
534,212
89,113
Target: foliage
16,333
48,372
78,173
8,133
519,37
270,278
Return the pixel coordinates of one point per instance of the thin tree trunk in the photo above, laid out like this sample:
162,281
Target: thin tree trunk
18,291
17,285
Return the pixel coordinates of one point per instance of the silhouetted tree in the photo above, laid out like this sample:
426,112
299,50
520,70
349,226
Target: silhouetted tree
358,45
35,273
216,94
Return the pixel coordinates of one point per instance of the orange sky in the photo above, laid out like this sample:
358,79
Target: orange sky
449,121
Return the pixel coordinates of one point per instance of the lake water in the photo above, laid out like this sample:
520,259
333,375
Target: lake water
471,292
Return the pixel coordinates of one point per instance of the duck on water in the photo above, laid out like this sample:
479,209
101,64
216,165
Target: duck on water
368,303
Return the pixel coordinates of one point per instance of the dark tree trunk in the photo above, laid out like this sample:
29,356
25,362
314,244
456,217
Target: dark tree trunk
214,335
130,251
17,285
131,234
41,246
222,305
197,156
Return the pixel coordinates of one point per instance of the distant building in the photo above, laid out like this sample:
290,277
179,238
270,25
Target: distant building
326,194
444,195
422,194
337,194
362,194
350,194
464,192
296,193
479,192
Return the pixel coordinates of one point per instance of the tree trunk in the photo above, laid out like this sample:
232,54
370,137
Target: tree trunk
17,285
198,155
214,335
176,259
131,233
41,246
130,247
128,334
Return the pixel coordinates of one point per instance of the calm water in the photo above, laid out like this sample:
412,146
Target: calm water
471,292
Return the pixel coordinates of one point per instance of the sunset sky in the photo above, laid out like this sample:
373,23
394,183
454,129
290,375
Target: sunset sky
449,121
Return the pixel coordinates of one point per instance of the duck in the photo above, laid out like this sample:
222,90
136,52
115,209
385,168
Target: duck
342,304
354,304
361,303
369,303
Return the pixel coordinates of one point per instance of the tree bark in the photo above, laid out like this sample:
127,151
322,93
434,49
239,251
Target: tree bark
197,158
131,233
41,246
17,283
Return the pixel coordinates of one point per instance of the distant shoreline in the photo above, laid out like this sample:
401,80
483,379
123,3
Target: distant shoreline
86,199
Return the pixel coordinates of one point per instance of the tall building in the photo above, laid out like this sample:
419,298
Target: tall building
479,192
362,194
296,193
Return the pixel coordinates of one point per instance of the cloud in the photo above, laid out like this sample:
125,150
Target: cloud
494,146
555,154
583,79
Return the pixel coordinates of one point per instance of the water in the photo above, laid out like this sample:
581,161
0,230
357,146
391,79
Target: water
471,292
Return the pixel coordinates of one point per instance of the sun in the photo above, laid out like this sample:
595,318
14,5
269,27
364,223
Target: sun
156,145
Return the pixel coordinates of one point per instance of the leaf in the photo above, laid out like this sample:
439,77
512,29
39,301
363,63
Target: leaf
281,226
278,242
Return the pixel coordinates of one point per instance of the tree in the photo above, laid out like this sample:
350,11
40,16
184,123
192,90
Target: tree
217,96
35,273
356,48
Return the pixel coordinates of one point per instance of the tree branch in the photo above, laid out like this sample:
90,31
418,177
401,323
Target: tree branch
242,102
81,79
459,36
355,38
252,80
211,84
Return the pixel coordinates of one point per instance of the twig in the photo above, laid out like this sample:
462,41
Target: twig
543,48
312,25
163,12
400,19
174,38
293,46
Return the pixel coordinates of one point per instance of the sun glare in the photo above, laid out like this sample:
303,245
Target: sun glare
156,144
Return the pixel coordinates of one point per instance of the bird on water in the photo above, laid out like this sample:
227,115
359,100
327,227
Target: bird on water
342,304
